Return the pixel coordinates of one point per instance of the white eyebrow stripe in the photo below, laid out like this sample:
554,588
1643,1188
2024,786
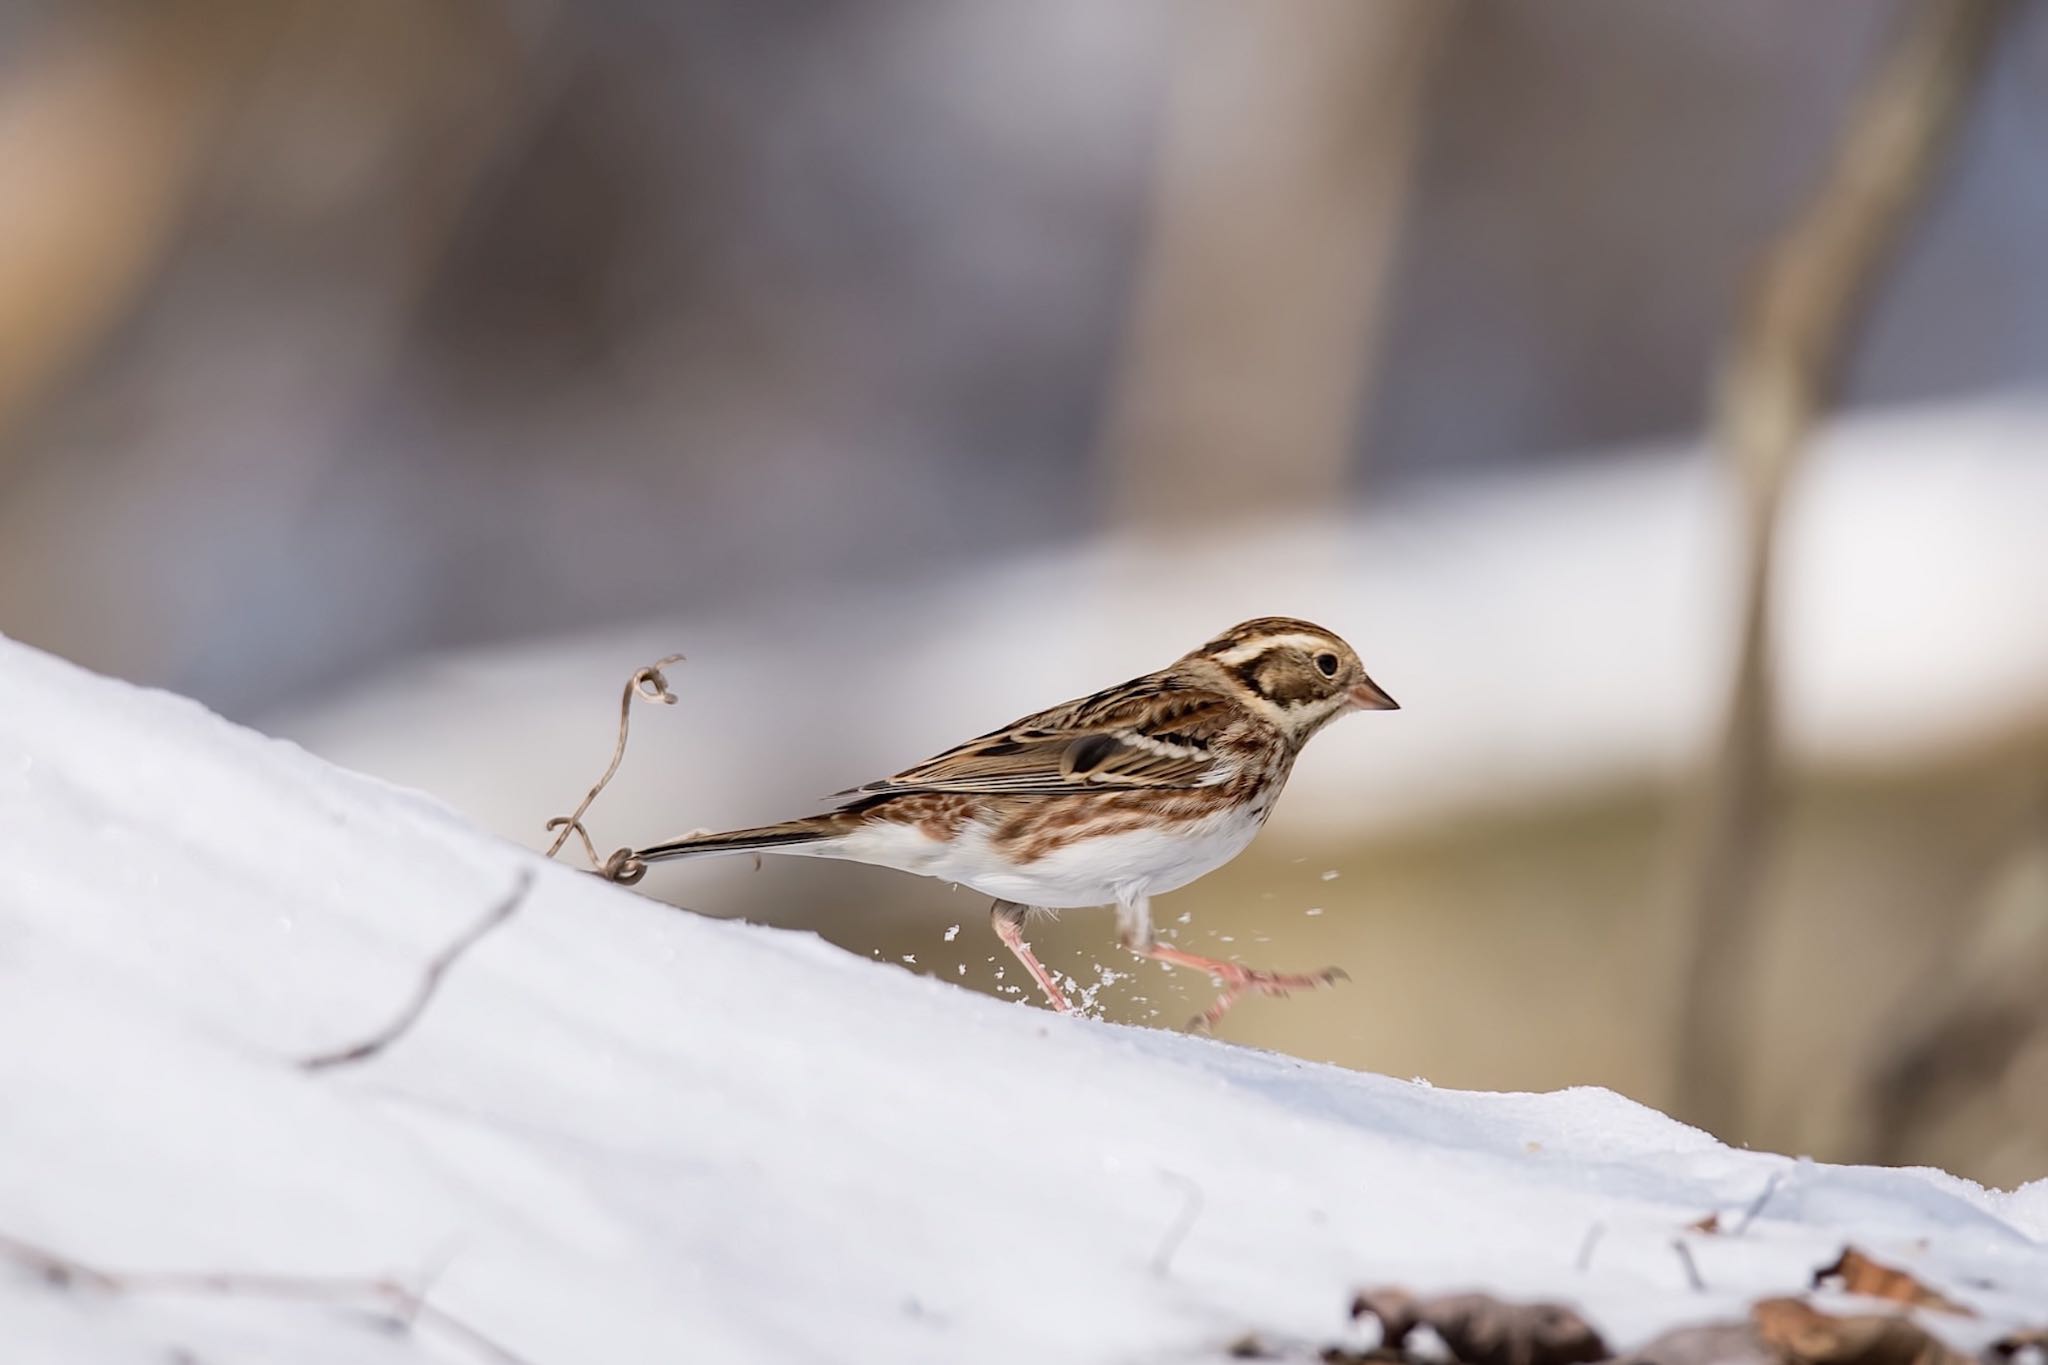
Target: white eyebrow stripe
1252,649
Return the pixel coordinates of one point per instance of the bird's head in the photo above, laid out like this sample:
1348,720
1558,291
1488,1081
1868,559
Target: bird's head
1296,673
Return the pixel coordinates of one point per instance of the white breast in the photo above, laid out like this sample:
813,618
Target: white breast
1091,872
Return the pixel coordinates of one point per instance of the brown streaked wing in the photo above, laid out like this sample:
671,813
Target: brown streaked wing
1141,735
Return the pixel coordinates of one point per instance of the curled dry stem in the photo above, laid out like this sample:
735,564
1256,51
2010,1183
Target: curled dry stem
649,684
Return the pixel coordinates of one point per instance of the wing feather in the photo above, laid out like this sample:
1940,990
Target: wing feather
1142,735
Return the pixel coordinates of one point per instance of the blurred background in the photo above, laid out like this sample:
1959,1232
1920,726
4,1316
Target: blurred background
399,376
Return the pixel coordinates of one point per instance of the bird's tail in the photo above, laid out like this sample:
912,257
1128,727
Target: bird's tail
788,834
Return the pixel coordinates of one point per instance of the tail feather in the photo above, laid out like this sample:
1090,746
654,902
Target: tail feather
790,832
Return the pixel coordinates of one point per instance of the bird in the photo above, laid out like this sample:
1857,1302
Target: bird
1107,800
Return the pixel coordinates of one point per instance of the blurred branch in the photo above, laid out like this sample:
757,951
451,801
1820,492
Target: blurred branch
1279,195
1790,343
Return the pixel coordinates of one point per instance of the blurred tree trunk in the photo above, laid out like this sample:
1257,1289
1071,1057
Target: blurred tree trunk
1790,344
1281,180
102,133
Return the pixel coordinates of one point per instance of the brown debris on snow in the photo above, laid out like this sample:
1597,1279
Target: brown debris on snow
1859,1274
1803,1335
1480,1329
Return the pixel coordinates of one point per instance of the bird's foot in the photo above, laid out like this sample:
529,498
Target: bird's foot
1239,981
1010,928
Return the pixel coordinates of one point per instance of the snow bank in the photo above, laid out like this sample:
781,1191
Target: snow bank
626,1134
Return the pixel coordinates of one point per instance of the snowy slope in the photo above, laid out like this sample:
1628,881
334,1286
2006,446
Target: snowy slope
626,1134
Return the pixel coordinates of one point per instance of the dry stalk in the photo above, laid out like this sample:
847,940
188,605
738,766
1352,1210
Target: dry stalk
1692,1267
650,684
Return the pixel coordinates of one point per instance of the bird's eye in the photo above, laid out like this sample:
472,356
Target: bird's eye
1326,664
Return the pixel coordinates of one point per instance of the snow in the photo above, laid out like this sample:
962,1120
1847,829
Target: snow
623,1133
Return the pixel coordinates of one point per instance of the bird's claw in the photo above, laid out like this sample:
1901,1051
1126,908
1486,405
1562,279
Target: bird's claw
1238,981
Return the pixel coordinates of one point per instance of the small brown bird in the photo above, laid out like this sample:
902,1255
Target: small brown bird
1111,799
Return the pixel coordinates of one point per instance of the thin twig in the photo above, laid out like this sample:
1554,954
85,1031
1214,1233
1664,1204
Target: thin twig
1692,1267
430,981
398,1304
1182,1225
1796,331
1586,1245
1756,1206
648,684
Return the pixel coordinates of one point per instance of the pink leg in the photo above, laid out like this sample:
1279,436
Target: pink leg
1238,980
1008,919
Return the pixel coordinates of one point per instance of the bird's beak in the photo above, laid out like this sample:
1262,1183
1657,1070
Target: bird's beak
1368,695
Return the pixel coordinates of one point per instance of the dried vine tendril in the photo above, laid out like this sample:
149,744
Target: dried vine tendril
649,684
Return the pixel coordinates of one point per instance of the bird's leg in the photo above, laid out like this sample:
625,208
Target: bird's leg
1239,980
1008,918
1134,921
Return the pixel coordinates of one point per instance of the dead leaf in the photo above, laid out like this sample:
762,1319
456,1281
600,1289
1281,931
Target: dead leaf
1482,1330
1715,1343
1397,1309
1804,1335
1710,1224
1861,1275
